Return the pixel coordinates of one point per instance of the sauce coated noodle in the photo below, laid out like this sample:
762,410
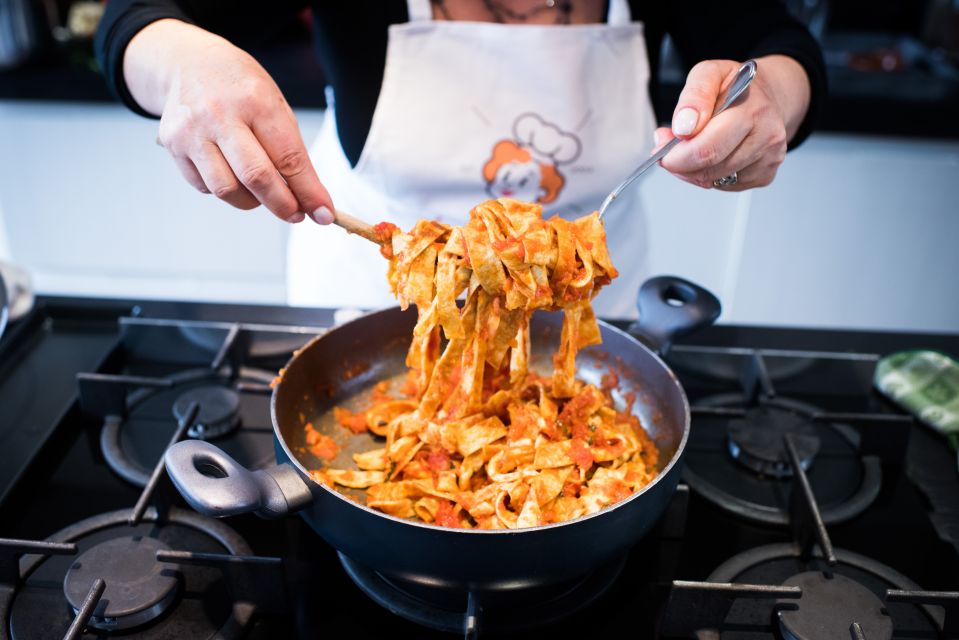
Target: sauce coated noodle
477,439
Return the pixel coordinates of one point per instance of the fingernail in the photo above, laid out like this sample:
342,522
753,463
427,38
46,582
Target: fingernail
657,138
322,215
296,217
684,122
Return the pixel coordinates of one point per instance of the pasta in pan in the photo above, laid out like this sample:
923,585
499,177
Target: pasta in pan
477,439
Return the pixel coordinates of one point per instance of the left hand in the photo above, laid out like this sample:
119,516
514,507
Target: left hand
750,137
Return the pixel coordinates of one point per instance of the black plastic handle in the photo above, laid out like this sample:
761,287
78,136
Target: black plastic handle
217,485
671,307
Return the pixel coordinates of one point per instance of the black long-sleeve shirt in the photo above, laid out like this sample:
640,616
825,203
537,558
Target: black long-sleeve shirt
351,39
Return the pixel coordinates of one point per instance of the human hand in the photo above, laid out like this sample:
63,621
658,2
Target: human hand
224,121
748,139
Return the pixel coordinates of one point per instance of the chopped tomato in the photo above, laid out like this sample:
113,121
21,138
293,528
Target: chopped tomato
320,445
384,232
355,422
520,423
551,431
609,381
446,515
381,392
512,246
571,489
580,454
617,492
574,414
438,460
615,447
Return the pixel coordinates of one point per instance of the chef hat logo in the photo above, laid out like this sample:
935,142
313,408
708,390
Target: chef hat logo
547,142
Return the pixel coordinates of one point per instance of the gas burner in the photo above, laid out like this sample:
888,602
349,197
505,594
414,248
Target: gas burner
219,411
233,409
476,613
778,591
736,459
756,439
144,581
831,603
137,587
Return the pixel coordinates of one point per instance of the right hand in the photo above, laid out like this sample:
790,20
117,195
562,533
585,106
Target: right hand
224,121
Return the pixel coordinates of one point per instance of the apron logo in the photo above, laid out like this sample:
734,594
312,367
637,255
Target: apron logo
527,166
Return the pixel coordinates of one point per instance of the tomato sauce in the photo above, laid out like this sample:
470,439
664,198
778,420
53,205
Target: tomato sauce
581,455
438,460
609,381
355,422
320,445
446,515
384,232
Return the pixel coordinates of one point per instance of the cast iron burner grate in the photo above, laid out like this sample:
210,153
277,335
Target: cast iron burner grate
806,590
778,591
137,588
233,396
157,571
132,440
735,456
474,613
755,439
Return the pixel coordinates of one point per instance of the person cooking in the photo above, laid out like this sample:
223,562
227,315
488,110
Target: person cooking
437,105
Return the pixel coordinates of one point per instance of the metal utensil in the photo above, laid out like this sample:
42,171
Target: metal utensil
735,89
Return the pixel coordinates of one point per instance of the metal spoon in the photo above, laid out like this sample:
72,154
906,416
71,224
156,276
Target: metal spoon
735,89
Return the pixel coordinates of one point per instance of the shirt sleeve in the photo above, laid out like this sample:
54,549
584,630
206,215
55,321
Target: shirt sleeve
706,29
236,20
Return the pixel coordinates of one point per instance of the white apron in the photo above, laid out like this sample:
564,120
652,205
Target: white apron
473,110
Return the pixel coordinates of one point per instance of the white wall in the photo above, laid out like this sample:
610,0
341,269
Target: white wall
856,231
5,253
92,206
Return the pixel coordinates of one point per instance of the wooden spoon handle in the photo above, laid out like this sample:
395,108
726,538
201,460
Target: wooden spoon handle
353,224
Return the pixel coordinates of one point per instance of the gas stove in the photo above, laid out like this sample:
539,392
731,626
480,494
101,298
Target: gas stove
809,507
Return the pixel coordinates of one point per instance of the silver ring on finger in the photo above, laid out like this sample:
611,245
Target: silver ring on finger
727,181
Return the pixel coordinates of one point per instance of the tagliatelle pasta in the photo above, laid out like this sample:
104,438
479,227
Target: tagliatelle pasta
478,439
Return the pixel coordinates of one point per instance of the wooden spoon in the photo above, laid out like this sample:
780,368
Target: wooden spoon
352,224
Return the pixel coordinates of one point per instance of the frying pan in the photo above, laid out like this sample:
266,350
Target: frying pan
336,366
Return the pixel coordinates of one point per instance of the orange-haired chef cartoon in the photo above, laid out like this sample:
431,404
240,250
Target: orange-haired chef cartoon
527,167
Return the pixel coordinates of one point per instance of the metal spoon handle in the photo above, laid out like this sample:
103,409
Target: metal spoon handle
735,89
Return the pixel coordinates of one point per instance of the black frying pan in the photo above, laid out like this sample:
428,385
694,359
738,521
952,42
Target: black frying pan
336,366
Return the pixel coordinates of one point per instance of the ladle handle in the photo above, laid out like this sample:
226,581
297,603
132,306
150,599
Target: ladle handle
217,485
726,99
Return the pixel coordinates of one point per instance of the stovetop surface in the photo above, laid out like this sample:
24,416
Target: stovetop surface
68,478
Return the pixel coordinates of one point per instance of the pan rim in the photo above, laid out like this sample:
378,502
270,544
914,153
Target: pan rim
674,461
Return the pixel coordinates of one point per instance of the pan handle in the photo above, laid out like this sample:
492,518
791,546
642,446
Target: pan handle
217,485
671,307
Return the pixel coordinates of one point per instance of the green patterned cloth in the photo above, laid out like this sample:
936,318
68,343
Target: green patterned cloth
926,384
